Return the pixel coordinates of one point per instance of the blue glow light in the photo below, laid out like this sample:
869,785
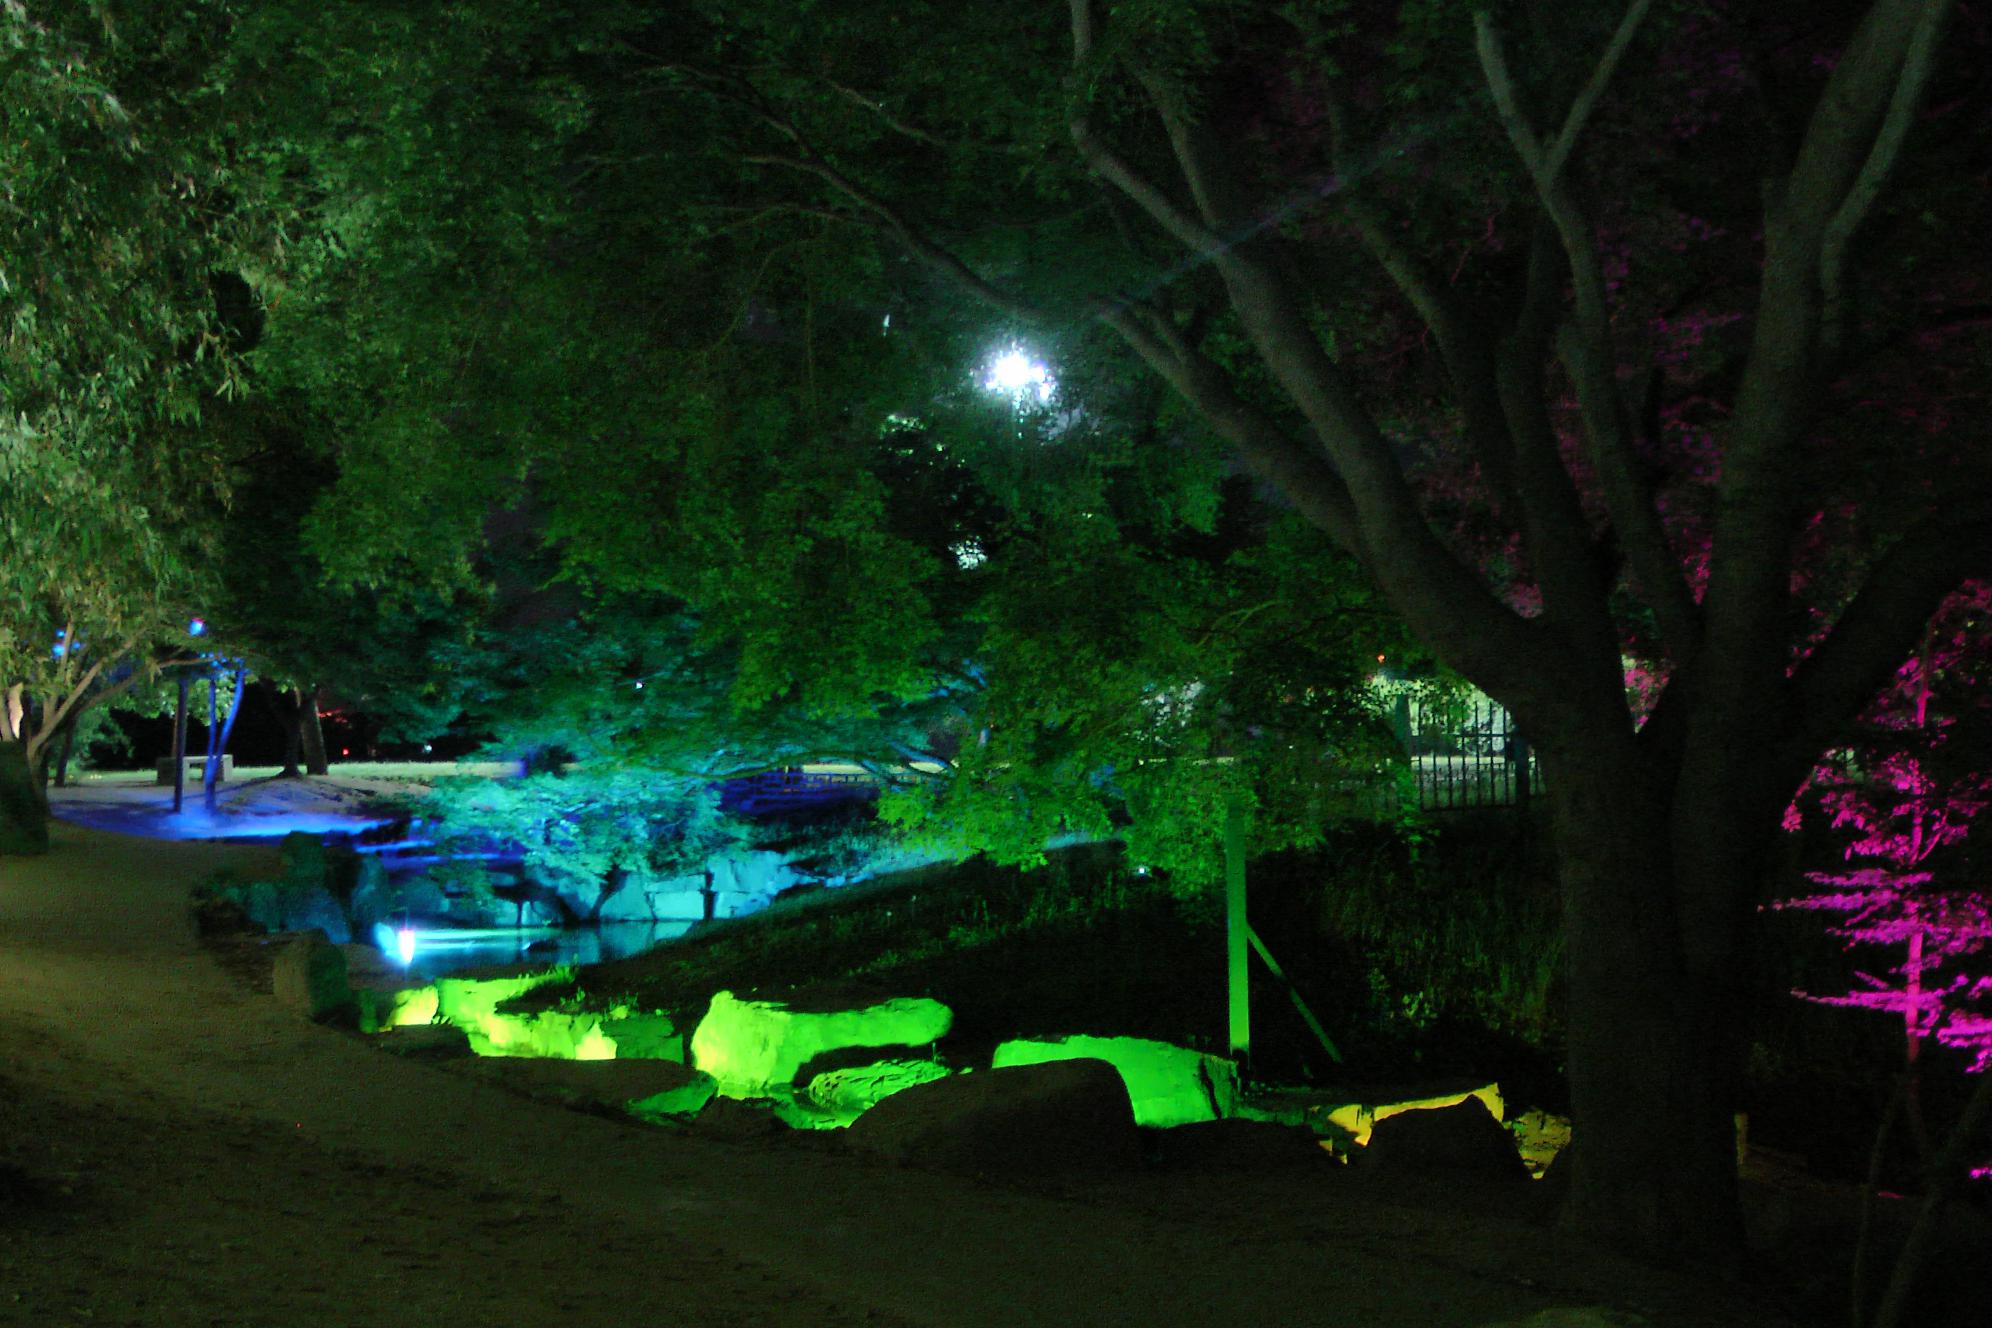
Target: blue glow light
197,627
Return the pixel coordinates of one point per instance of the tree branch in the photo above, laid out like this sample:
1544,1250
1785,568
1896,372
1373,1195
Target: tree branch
1878,630
1846,149
934,255
1562,554
886,117
1560,536
1186,229
1628,497
1749,566
1586,346
54,711
1587,100
1296,471
1861,195
1468,357
1447,603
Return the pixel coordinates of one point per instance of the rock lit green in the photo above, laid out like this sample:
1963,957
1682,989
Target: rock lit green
848,1093
1168,1085
472,1005
674,1103
753,1046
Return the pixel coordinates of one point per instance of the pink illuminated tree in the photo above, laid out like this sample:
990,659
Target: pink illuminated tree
1908,794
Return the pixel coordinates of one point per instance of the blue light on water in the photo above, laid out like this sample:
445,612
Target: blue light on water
430,951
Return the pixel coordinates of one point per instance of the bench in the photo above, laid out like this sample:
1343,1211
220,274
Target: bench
196,768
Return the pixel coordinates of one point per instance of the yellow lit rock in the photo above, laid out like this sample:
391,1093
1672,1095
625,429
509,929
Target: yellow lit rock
1358,1118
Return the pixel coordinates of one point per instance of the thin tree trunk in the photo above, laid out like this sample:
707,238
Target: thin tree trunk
180,745
312,734
64,751
1945,1176
1912,1012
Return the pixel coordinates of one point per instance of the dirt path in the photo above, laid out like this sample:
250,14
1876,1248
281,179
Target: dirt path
227,1164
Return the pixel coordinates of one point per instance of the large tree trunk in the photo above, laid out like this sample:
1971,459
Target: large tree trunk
23,810
284,705
1653,1039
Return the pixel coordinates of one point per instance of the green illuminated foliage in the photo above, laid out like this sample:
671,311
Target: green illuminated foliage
120,213
759,459
586,833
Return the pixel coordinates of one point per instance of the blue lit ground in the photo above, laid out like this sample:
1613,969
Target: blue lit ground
254,804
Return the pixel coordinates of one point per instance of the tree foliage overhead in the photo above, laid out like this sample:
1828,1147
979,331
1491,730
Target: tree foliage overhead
121,228
755,447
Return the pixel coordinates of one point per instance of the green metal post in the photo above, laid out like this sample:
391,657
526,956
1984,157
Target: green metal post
1236,932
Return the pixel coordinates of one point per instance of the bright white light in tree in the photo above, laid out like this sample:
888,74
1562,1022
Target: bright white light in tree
1015,373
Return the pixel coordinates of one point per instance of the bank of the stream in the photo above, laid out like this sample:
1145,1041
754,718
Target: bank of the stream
188,1152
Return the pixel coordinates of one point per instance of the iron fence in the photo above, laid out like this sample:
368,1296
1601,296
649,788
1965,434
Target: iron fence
1465,754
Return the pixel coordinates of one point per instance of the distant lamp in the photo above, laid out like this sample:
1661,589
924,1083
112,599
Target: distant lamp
1014,373
197,627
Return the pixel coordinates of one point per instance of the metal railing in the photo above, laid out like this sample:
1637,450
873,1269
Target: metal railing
1465,754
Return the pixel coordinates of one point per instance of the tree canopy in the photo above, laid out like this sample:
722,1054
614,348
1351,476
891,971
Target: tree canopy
120,234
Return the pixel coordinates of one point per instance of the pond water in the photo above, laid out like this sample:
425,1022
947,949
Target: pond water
429,952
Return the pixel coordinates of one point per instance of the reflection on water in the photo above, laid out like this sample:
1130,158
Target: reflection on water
429,952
